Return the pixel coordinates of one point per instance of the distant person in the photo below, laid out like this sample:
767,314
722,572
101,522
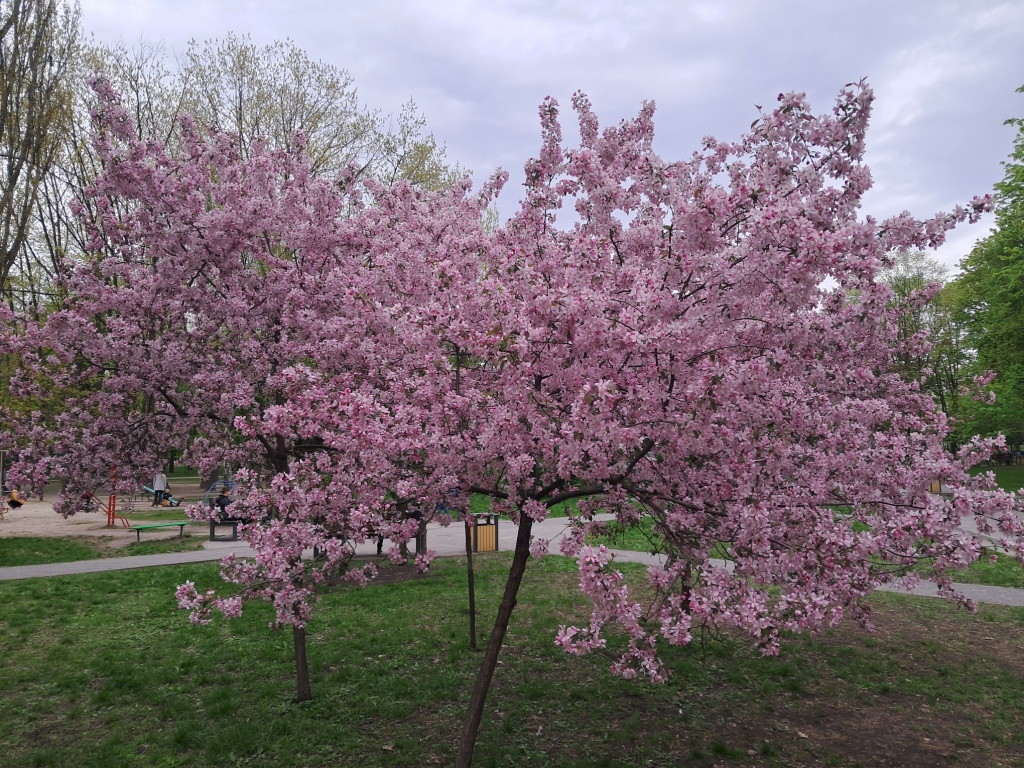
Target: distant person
159,486
16,499
222,501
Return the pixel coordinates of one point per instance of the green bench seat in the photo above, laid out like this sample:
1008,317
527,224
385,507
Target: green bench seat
140,528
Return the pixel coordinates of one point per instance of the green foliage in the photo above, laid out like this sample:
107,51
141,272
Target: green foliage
991,302
944,366
103,670
36,550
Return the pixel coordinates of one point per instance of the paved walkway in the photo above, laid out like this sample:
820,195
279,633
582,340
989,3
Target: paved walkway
450,541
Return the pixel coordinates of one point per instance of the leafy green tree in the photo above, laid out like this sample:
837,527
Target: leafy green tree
277,92
951,357
272,93
931,335
991,300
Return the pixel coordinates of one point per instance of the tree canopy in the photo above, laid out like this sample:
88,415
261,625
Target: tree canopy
274,94
705,345
990,296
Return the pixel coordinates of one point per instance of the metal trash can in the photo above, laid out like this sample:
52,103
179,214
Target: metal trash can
485,533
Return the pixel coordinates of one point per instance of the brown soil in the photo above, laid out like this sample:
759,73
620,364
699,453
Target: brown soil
37,518
838,723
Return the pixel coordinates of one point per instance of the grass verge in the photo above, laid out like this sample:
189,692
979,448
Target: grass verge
103,670
1004,572
1010,478
36,550
39,550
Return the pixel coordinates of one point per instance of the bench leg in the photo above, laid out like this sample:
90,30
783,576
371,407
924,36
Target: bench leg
214,525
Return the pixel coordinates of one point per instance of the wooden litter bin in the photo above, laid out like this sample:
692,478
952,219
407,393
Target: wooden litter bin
485,533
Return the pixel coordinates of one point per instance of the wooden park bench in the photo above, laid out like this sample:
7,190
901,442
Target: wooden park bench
140,528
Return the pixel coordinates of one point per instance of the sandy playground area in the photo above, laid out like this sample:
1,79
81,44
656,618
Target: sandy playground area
37,518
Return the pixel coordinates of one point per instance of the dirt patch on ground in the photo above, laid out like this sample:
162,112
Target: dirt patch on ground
37,518
932,686
907,716
387,572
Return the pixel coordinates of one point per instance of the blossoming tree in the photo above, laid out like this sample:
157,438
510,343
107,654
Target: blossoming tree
704,345
221,294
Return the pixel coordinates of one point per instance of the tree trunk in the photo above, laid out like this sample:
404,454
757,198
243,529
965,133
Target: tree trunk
471,727
304,691
472,589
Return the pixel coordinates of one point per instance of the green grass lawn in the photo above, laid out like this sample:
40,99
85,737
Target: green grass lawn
37,550
1009,478
103,670
155,514
1005,572
635,538
187,543
480,505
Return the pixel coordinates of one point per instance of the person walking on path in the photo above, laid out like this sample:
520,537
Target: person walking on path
159,486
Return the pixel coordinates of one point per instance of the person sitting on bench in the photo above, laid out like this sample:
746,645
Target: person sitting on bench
222,501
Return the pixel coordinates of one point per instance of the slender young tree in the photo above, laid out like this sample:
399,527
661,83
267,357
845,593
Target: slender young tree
221,291
932,333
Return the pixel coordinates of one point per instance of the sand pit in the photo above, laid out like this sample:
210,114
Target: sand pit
37,518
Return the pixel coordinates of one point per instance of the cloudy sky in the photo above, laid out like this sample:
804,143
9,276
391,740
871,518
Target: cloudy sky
944,72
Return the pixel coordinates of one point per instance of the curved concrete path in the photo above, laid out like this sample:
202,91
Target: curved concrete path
444,541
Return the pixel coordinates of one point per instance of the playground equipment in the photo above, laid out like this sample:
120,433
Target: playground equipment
112,499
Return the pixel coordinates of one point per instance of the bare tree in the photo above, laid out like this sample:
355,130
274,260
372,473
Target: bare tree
38,45
277,92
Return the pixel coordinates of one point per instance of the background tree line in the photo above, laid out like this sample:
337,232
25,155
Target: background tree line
975,323
273,93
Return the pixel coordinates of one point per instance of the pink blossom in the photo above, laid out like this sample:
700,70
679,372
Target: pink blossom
539,547
702,343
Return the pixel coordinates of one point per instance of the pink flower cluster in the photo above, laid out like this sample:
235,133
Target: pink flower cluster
702,343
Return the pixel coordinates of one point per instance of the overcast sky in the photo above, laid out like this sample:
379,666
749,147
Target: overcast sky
944,72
